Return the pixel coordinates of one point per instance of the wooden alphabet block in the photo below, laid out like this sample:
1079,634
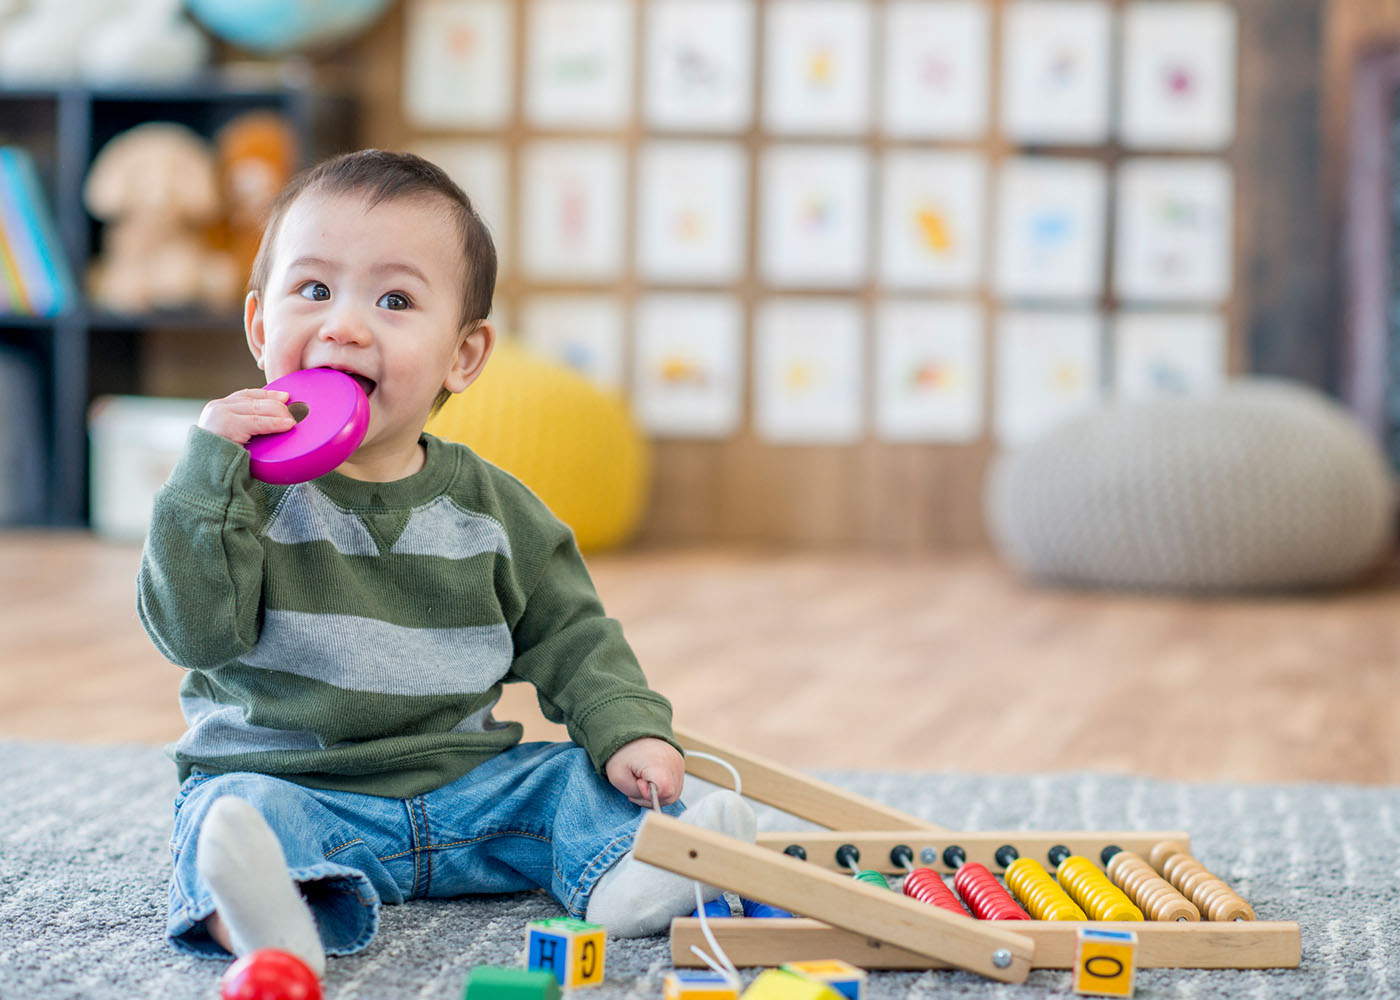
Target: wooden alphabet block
1104,962
843,977
775,984
571,950
492,982
693,984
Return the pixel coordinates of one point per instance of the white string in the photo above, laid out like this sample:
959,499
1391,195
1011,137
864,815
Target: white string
733,771
727,970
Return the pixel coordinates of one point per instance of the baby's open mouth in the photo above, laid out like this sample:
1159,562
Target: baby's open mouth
366,383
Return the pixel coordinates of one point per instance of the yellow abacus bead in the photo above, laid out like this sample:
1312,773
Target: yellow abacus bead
1037,892
1092,890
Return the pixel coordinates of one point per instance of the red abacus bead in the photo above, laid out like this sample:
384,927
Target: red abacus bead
927,886
984,895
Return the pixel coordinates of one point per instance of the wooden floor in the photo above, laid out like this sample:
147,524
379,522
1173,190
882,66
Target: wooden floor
844,661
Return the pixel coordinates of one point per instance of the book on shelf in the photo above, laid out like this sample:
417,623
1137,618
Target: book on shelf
35,279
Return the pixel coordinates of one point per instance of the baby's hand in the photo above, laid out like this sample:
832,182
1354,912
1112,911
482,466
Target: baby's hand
639,764
247,413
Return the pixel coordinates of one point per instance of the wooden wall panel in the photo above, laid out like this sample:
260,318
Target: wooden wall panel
927,497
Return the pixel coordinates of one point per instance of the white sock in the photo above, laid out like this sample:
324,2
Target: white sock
239,857
634,899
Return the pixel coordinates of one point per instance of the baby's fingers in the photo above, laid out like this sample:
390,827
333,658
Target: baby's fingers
247,413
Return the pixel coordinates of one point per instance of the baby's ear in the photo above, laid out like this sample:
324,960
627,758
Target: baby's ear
253,326
474,347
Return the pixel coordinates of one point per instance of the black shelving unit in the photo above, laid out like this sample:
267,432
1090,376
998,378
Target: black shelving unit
85,351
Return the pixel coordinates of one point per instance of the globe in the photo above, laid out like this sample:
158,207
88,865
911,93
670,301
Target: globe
273,26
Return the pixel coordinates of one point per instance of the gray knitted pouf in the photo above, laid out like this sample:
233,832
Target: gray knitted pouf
1264,485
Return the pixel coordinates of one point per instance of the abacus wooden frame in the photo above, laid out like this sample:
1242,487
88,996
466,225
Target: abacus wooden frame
868,827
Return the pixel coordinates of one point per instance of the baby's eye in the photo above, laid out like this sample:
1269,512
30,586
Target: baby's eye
393,300
316,291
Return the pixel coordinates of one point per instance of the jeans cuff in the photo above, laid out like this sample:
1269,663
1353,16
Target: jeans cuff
343,903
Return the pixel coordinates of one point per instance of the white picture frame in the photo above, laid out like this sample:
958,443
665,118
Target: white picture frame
688,364
578,65
1179,75
1050,229
813,216
573,210
816,67
1048,369
1168,355
692,212
1057,71
1175,231
808,371
583,331
458,63
482,169
936,69
699,65
932,219
929,370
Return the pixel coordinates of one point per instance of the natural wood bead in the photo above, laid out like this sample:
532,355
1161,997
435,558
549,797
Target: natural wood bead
1154,895
1159,855
1215,899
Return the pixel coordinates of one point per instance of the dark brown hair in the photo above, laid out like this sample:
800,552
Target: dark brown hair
380,175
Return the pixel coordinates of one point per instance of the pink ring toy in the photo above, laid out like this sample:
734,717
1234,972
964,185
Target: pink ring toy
335,424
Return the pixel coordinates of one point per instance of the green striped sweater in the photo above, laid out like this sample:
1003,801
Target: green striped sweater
355,635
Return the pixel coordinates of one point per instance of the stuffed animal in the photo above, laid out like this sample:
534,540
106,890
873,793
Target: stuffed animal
257,154
156,188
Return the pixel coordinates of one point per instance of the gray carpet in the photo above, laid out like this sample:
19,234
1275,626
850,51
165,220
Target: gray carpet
83,865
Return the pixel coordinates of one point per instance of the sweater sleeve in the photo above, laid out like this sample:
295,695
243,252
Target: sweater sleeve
583,669
199,586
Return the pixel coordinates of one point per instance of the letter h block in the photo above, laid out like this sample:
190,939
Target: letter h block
568,949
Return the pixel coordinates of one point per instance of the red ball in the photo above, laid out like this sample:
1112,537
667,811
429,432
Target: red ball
269,975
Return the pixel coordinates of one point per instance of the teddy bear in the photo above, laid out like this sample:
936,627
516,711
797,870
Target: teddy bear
257,153
157,189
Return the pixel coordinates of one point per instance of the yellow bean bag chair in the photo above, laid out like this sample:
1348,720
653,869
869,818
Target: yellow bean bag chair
572,443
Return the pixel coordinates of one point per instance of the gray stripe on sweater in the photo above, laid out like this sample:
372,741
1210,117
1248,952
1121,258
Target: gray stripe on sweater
306,515
217,730
443,529
221,731
365,654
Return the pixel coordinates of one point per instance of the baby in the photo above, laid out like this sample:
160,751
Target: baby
345,640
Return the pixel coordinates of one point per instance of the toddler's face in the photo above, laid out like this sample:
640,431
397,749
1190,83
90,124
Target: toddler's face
375,292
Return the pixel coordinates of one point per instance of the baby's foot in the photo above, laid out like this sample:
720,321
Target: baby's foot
634,899
239,857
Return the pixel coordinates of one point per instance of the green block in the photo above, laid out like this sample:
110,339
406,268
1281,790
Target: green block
494,982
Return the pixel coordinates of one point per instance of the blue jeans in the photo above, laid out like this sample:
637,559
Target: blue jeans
536,816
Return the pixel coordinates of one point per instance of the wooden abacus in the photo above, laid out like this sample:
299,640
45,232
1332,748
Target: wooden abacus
876,929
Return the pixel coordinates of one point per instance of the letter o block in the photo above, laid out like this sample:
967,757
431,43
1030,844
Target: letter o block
568,949
1104,962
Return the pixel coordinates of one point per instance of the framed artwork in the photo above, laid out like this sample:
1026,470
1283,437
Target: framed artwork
932,217
936,69
573,210
929,371
698,60
808,371
458,65
585,332
1056,71
1175,231
816,67
1050,229
692,206
1178,85
578,70
688,365
813,216
1047,370
1168,354
482,170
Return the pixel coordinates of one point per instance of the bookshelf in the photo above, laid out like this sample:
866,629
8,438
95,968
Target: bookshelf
84,352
